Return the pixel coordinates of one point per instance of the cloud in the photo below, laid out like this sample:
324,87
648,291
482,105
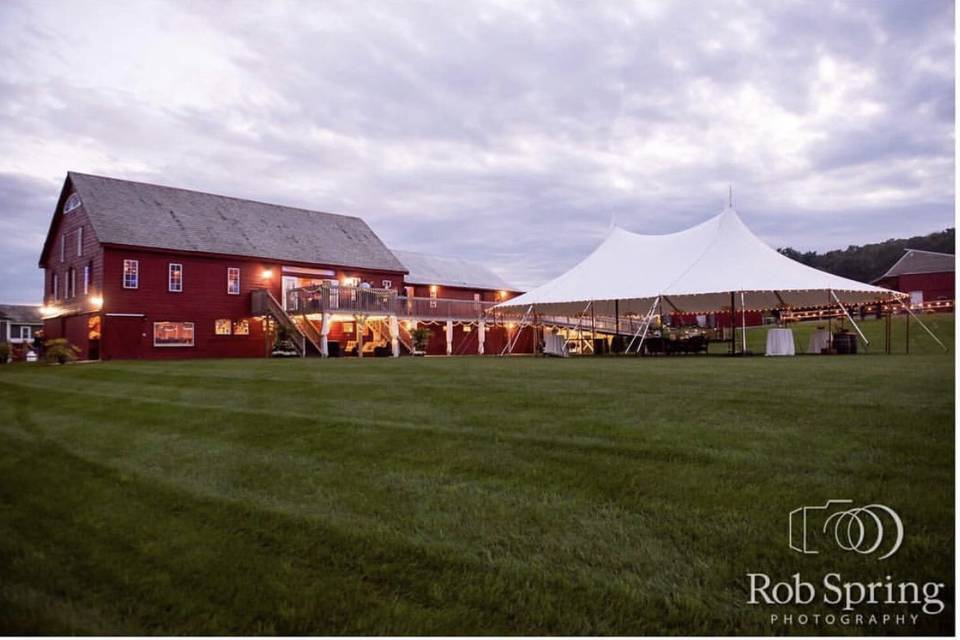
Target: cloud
506,132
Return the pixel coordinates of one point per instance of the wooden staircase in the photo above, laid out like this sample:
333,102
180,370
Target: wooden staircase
306,337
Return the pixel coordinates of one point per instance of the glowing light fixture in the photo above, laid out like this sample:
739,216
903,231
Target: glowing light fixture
266,274
96,301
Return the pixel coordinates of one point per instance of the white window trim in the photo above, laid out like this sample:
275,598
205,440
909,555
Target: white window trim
387,284
136,274
193,340
26,329
63,247
86,279
170,272
56,286
232,270
80,242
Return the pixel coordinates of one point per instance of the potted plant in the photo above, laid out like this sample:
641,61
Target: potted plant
421,337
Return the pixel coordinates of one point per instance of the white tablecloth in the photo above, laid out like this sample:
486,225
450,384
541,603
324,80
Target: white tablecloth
780,342
819,340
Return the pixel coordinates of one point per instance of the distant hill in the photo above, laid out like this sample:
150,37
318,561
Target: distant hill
870,261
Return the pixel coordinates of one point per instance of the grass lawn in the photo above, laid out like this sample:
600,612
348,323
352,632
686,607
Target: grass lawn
458,496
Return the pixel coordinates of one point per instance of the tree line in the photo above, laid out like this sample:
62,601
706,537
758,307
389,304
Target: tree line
870,261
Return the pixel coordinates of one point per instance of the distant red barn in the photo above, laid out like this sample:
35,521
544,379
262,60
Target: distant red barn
926,275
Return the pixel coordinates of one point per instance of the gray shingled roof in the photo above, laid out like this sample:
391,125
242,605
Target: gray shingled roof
919,261
21,313
148,215
452,272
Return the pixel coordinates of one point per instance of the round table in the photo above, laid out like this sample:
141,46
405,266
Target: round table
780,342
819,340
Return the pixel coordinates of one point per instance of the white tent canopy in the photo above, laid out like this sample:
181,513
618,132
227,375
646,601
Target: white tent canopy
691,271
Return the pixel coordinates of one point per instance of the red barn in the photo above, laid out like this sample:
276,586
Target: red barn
135,270
926,275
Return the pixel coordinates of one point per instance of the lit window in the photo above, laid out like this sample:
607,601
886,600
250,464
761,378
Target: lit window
348,327
222,327
241,327
72,203
80,241
173,334
86,279
233,281
352,281
175,278
387,284
131,274
55,286
433,296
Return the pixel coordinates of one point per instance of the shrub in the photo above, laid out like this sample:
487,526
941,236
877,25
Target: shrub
60,351
421,337
4,352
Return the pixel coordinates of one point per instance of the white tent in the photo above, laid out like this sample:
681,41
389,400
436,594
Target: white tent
697,270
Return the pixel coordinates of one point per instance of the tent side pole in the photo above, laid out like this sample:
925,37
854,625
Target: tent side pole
733,323
644,325
925,328
647,326
743,321
849,317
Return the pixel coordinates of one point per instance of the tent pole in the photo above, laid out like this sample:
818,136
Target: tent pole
644,326
733,323
850,318
593,328
743,321
616,314
932,335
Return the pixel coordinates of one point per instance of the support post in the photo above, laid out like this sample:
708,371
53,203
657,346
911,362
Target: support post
850,318
394,336
481,335
743,322
449,333
324,332
733,323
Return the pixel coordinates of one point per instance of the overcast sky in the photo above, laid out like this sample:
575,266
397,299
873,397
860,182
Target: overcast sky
507,132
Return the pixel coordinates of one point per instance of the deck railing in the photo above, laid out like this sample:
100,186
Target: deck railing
369,301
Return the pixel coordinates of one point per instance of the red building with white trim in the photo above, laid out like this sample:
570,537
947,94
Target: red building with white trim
927,276
135,270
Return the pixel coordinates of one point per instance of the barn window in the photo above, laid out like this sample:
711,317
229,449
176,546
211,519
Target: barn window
80,241
433,296
71,284
241,327
175,278
72,203
87,268
63,247
233,281
221,327
173,334
387,284
131,274
55,286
